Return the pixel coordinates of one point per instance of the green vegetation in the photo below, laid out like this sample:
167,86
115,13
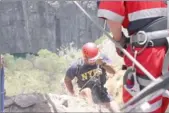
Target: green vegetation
42,72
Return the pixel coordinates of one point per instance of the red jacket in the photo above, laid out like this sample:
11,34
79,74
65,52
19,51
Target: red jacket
132,14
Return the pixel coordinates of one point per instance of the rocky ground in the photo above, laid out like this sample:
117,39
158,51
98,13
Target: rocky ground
36,102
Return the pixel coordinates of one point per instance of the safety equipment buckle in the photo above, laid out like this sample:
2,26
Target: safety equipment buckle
131,73
141,35
136,87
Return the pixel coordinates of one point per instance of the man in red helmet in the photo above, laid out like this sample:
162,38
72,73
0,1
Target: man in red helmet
90,71
138,16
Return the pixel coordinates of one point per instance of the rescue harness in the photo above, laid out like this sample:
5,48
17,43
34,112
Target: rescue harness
141,39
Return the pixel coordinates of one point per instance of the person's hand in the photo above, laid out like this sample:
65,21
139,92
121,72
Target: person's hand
123,42
119,52
99,61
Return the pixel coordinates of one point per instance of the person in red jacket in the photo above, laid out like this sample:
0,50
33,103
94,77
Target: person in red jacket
138,16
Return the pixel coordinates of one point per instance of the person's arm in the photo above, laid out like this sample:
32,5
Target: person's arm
113,12
70,74
116,29
106,63
69,85
109,68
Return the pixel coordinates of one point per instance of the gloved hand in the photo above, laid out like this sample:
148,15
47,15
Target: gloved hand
99,61
123,42
119,52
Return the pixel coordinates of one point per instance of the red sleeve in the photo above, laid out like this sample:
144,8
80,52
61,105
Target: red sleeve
112,10
126,19
125,22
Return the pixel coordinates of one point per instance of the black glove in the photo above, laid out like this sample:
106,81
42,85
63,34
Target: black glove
123,42
119,52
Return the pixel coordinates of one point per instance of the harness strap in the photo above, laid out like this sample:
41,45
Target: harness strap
166,59
142,37
153,35
143,82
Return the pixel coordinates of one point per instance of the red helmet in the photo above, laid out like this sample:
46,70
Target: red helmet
90,50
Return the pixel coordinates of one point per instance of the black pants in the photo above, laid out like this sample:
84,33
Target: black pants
100,94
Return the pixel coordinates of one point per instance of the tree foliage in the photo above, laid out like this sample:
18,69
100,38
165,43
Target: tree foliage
38,73
42,72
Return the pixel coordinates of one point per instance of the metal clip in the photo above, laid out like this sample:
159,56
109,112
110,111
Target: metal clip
151,43
141,35
135,88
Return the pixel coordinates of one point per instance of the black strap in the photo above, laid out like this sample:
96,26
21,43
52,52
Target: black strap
153,43
157,24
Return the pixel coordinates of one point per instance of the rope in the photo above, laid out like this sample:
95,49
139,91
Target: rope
100,109
92,78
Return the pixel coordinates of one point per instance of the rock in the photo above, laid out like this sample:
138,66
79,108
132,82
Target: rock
48,103
42,107
27,103
26,100
65,103
54,100
8,101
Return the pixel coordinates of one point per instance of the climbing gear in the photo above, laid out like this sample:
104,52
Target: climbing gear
90,51
139,39
146,40
143,39
96,85
123,42
94,80
157,87
130,74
